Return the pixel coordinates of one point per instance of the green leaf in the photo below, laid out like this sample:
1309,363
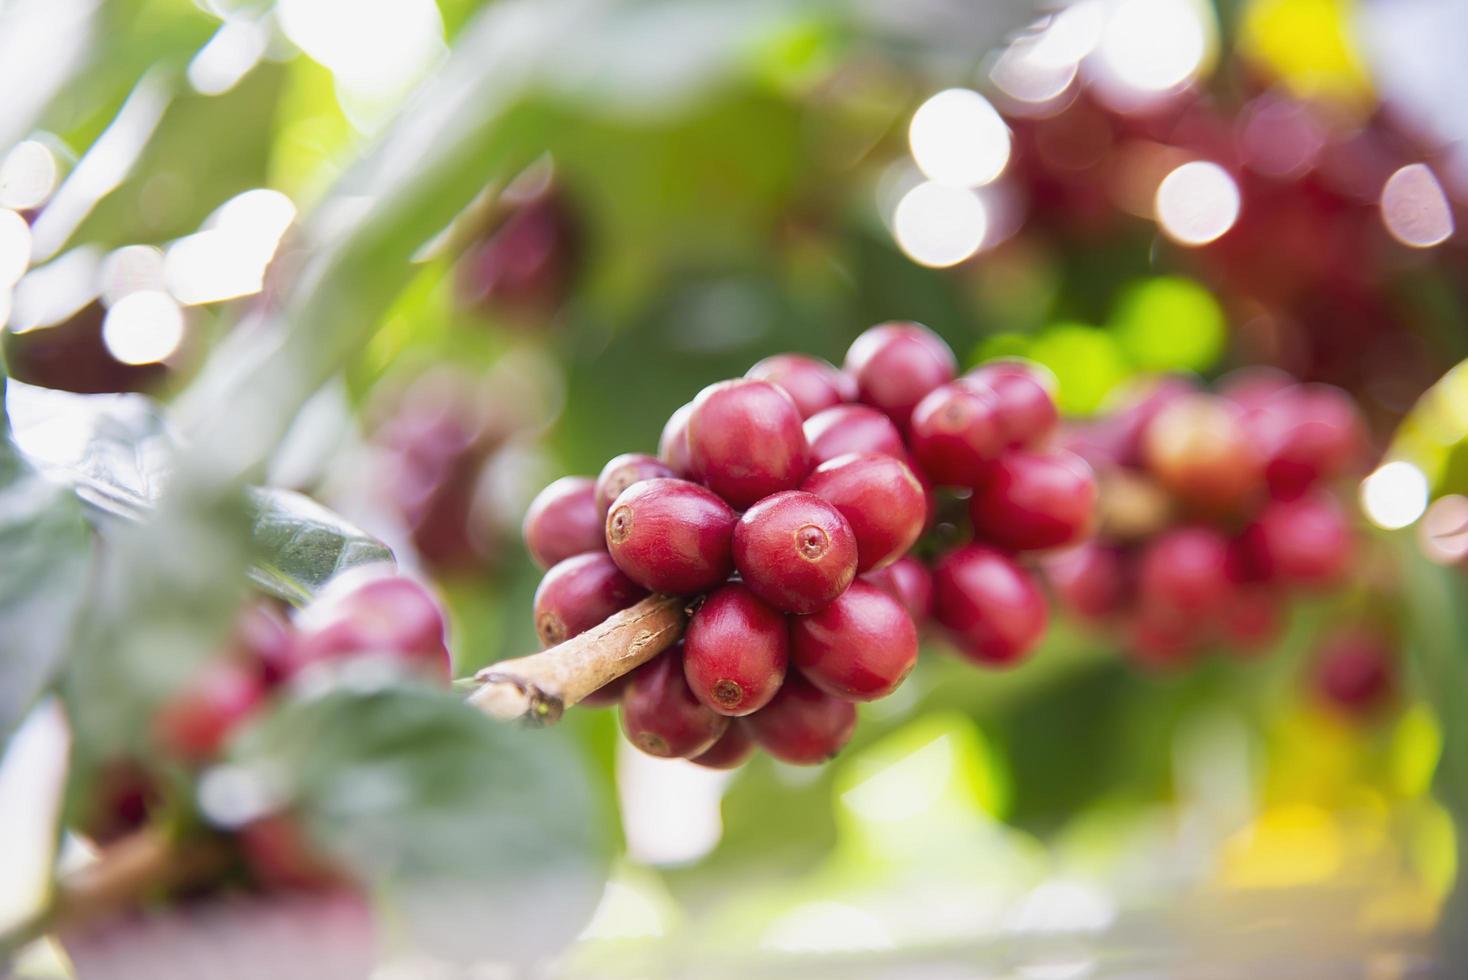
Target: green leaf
300,545
487,838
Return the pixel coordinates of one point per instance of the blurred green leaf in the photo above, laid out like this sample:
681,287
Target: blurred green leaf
300,545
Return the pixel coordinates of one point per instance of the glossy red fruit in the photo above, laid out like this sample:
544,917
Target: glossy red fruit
909,582
1035,501
1306,541
1307,433
279,854
261,635
673,443
672,536
609,694
813,384
731,751
804,725
374,610
860,647
1186,572
1091,580
992,608
524,268
579,593
563,520
1252,620
1025,407
1198,447
852,429
896,364
735,651
660,714
956,435
1253,387
795,551
1354,672
623,471
1158,640
880,498
745,441
194,724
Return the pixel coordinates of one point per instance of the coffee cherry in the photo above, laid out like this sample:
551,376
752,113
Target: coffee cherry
579,593
881,500
1035,500
991,607
194,724
735,651
956,434
623,471
1022,393
279,855
1305,541
1308,433
1161,640
262,636
1252,388
660,714
909,582
859,648
1186,572
609,694
374,610
1353,672
1252,619
1199,449
672,536
803,725
523,269
731,751
795,551
896,364
745,441
813,384
673,444
563,520
852,429
1090,580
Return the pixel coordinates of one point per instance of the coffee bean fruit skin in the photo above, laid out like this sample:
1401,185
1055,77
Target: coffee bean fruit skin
1353,672
1025,409
795,551
671,536
745,441
673,443
1035,501
880,498
852,429
374,610
813,384
197,721
563,520
993,609
896,364
609,694
735,651
803,725
1186,572
1091,580
579,593
732,750
1305,541
859,648
623,471
909,582
1198,447
956,435
661,716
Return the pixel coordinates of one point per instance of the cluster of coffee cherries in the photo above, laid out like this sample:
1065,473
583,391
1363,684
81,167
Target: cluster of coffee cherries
784,504
1217,507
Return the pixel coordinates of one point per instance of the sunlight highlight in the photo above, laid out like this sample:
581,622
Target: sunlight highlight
939,225
1395,495
1197,203
143,328
958,138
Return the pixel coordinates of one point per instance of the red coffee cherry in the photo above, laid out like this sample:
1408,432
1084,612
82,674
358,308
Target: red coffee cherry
660,714
279,855
1022,392
578,594
1034,501
1308,433
1186,572
880,498
1354,672
735,651
374,610
1251,388
852,429
896,364
795,551
1252,620
1160,640
262,636
859,648
731,751
609,694
956,434
1306,541
813,384
563,520
194,724
672,536
623,471
1091,580
523,269
673,444
745,441
909,582
1199,449
803,725
992,608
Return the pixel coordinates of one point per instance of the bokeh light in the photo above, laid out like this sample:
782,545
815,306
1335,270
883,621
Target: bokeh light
1415,209
1087,363
1151,47
130,269
371,46
228,258
1197,203
958,138
1395,495
233,50
1038,67
1170,323
144,327
15,248
27,176
939,225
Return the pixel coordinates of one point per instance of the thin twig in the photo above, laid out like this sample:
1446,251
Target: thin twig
538,688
